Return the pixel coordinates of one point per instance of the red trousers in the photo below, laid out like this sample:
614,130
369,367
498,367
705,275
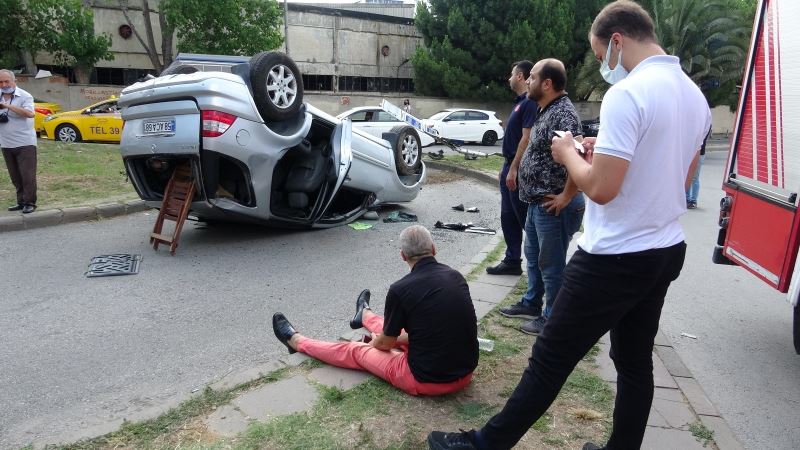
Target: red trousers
391,366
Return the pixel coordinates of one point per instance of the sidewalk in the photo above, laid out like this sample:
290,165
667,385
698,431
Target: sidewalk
13,221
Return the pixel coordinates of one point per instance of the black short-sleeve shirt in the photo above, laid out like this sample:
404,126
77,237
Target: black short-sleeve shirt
433,305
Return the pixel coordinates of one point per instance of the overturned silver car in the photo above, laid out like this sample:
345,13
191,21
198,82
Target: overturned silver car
257,152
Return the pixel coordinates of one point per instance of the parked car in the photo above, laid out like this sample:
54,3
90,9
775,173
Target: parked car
468,125
376,121
590,127
99,121
257,152
41,110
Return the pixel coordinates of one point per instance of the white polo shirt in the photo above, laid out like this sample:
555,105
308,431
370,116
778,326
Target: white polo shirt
655,118
18,131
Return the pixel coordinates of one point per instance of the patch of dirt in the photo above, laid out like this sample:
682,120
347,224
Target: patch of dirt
442,176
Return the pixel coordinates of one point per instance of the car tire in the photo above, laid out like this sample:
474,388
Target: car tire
175,70
407,150
277,85
67,133
489,138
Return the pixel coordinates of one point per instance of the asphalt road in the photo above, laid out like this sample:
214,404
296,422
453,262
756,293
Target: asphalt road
81,354
743,355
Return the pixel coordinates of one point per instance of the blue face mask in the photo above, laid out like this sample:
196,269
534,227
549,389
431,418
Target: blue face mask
7,90
618,73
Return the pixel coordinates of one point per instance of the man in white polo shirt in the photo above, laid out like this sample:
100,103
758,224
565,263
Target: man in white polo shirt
652,123
18,140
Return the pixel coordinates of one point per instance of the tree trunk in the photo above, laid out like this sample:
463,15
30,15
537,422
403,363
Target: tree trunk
82,73
167,34
148,31
152,52
30,64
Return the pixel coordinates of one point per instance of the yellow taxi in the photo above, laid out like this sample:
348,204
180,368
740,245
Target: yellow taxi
41,110
100,122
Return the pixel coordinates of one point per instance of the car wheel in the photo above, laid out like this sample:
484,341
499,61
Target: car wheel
67,133
277,85
489,138
174,70
407,150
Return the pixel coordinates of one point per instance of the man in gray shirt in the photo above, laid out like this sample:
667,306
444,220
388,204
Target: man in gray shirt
18,140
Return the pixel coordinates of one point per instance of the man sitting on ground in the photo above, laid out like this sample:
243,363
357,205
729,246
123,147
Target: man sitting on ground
428,343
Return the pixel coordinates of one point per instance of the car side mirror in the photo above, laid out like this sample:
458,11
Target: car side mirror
446,119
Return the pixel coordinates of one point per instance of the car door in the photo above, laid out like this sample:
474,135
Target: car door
455,126
477,124
104,122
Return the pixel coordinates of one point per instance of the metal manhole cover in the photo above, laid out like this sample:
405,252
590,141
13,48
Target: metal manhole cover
111,265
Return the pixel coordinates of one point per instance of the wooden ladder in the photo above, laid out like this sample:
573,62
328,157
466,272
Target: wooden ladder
175,207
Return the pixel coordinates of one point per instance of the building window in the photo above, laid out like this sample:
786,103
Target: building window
376,84
317,82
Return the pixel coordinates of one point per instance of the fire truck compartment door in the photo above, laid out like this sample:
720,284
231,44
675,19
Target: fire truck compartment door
763,175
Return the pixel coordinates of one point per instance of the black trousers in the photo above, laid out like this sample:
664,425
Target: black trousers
21,163
621,293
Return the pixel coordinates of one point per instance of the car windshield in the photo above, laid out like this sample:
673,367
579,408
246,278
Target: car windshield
440,115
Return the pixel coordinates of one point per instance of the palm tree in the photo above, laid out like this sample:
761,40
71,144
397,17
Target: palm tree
710,37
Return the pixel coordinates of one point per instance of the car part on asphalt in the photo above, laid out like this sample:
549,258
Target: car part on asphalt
400,216
465,227
113,265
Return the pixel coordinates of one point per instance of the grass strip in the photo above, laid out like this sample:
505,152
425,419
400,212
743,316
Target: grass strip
70,174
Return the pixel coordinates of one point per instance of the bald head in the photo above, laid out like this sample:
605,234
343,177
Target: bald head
553,70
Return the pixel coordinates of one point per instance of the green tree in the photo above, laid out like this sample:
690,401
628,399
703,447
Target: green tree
66,29
710,37
227,27
10,20
469,45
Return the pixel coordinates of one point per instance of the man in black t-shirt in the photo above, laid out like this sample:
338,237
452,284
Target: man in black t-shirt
428,343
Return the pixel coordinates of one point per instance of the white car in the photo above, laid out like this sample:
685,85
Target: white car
468,125
376,121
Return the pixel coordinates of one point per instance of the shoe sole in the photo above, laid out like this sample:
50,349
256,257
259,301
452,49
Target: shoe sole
519,316
531,333
505,273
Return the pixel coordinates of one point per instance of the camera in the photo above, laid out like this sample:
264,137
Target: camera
4,118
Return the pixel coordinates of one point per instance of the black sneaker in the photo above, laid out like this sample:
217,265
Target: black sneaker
592,446
505,269
439,440
534,327
691,205
17,207
521,311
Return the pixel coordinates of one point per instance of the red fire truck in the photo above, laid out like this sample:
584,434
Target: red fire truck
759,221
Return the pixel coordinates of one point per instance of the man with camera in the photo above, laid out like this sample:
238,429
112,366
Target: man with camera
18,140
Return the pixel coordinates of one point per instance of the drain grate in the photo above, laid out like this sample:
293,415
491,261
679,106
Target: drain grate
111,265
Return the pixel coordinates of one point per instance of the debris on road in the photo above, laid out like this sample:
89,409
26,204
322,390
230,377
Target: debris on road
400,216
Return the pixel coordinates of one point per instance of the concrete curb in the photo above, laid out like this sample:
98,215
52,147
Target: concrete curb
51,217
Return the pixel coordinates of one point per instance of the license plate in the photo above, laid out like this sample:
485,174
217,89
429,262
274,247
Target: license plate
159,127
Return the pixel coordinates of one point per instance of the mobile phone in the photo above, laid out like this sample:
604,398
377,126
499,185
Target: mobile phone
578,145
